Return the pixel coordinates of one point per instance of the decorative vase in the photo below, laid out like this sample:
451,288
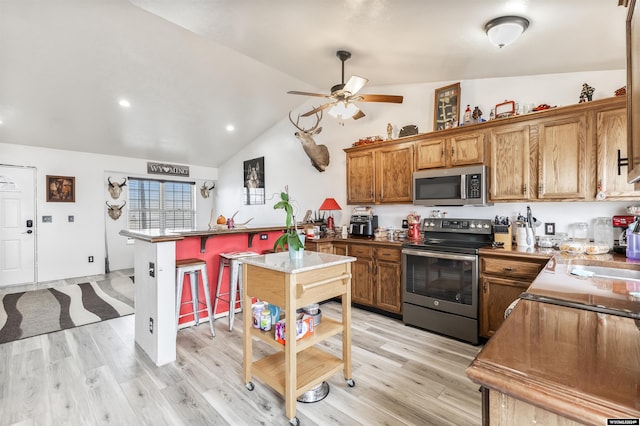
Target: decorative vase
297,254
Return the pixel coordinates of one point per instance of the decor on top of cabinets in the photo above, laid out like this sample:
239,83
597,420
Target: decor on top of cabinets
505,109
408,130
205,190
115,210
318,154
586,94
61,189
389,131
115,188
446,107
253,192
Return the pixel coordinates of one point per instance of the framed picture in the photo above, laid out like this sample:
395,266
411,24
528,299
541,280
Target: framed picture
61,189
254,181
446,107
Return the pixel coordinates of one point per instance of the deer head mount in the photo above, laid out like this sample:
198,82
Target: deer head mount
319,154
206,190
115,188
115,210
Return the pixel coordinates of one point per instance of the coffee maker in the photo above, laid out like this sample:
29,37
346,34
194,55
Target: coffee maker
621,222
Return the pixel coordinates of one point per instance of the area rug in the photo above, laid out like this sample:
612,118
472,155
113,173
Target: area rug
35,312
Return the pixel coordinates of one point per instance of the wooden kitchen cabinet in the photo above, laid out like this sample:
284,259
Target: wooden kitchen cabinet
502,279
509,162
379,175
340,248
377,277
458,150
319,246
611,142
563,155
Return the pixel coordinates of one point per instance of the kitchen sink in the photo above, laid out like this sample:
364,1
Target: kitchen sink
604,269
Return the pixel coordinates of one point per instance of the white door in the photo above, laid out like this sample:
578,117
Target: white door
17,225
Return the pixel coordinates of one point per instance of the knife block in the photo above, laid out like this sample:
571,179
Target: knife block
502,234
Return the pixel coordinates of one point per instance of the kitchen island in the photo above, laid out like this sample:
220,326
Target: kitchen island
155,257
569,352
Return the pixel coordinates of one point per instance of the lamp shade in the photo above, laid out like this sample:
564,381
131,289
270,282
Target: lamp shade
505,29
343,109
330,204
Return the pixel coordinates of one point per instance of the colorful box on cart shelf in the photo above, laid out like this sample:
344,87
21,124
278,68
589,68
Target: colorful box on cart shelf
304,327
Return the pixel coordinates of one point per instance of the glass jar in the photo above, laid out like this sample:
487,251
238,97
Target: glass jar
579,231
603,231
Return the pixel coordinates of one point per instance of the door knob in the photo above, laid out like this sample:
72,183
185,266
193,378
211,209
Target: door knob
29,231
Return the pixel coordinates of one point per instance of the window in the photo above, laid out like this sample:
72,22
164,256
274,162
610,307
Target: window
158,204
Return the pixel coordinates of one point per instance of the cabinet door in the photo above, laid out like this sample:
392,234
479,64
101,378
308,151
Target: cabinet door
430,154
361,177
496,296
362,281
394,177
611,138
340,248
466,149
509,164
388,286
562,158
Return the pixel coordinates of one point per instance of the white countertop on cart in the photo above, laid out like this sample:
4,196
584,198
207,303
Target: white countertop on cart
310,260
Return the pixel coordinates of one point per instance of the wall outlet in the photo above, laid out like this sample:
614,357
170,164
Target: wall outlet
264,236
152,269
150,325
90,259
549,229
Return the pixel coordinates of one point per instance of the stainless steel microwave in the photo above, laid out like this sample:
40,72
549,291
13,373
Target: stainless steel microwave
456,186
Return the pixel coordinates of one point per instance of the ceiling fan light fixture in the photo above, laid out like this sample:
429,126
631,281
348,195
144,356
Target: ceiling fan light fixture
505,30
343,109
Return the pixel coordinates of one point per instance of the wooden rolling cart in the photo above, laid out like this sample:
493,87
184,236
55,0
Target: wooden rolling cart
298,366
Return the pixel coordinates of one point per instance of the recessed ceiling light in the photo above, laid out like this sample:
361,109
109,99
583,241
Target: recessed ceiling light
230,127
124,103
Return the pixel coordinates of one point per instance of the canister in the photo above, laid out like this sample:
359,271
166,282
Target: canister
257,313
265,319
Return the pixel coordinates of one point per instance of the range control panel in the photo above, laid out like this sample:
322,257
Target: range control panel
467,226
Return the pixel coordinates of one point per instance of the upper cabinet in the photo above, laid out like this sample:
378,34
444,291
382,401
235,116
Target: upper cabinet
633,91
381,175
509,162
455,150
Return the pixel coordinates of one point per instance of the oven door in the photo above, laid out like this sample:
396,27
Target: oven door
446,282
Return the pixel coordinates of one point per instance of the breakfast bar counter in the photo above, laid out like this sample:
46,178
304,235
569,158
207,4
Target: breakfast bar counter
155,256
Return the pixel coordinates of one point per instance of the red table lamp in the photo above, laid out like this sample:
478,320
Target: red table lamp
329,204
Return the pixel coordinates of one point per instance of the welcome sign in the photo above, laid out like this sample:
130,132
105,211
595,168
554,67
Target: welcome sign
167,169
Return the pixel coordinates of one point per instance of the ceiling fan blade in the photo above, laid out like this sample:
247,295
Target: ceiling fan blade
381,98
317,109
295,92
354,84
358,114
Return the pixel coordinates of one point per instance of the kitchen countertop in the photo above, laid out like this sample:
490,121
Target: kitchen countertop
572,361
157,235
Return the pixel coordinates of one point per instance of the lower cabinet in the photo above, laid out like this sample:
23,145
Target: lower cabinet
503,277
376,274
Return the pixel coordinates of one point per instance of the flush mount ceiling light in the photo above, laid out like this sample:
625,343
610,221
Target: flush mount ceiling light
505,29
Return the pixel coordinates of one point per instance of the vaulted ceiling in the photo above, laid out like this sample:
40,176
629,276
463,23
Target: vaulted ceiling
189,68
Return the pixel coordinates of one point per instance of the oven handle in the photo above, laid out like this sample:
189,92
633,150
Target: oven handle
439,254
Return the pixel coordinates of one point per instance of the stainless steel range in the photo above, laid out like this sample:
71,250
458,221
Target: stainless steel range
440,277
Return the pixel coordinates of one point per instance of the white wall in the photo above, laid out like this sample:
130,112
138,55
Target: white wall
63,247
287,164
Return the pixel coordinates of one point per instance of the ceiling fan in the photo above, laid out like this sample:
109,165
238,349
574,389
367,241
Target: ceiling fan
344,95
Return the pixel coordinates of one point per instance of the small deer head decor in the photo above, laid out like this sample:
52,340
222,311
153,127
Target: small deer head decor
205,190
115,210
115,188
319,154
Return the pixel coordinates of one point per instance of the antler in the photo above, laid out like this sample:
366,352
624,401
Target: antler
124,182
318,118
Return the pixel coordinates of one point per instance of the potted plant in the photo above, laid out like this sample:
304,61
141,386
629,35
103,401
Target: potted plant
291,237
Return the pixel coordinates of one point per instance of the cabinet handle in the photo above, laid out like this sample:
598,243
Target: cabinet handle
524,192
507,269
442,153
453,151
484,287
540,189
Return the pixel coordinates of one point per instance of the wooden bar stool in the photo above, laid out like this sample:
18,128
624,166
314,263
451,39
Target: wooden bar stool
193,267
232,260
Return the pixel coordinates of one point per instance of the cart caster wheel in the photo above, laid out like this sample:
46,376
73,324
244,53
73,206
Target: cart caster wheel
250,386
351,383
295,421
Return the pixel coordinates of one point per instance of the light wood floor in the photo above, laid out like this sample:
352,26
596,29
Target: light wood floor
95,374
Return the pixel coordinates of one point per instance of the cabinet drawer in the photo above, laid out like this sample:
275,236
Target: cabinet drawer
509,268
360,251
388,254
